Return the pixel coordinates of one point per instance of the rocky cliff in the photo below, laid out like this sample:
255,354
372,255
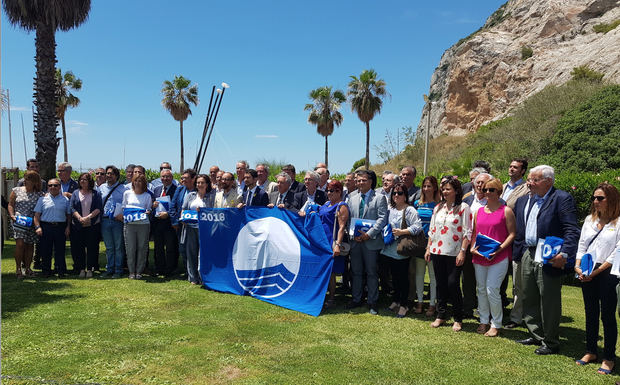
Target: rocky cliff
483,76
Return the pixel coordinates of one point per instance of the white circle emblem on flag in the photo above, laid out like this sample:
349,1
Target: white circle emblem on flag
266,257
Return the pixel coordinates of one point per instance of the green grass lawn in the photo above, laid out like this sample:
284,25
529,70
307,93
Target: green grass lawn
157,331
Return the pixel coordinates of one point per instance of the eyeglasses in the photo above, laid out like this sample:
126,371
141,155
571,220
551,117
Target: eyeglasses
63,170
227,179
100,173
537,180
53,185
489,190
332,190
599,198
398,193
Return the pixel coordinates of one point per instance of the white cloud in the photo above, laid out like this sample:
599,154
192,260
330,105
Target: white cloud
77,123
17,108
267,136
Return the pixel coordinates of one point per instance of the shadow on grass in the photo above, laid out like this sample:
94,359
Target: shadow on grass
20,295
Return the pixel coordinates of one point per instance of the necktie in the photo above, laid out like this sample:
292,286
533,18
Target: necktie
362,203
248,198
163,191
281,198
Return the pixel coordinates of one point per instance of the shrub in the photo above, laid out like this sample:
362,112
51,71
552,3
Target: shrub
526,52
358,164
586,73
606,27
581,185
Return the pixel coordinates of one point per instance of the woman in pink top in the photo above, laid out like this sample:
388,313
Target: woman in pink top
496,221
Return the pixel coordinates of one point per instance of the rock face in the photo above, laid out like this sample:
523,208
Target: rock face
482,77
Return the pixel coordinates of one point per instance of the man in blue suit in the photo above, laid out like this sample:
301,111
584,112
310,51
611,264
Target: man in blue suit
366,204
252,195
164,236
188,184
310,192
545,212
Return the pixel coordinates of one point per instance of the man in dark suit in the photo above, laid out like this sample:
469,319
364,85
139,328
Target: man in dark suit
311,193
545,212
252,195
407,176
365,247
188,184
283,197
295,185
164,236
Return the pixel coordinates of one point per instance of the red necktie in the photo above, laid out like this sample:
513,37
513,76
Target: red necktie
163,191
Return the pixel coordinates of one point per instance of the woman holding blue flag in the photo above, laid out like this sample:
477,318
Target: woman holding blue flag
203,196
404,220
599,243
494,225
425,205
86,205
137,203
335,230
21,210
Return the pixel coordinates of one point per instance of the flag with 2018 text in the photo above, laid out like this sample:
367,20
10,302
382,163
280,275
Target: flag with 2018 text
269,253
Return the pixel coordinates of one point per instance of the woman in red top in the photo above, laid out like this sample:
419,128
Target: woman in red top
496,221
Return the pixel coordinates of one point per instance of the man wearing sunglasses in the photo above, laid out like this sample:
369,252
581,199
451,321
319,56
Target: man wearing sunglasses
545,212
157,182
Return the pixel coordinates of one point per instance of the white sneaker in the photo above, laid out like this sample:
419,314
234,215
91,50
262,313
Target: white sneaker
138,276
89,274
132,276
82,274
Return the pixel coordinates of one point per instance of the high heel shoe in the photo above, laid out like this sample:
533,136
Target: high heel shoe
402,312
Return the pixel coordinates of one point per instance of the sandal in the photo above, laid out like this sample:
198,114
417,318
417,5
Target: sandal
482,328
430,311
586,359
30,273
605,371
457,326
437,323
402,312
394,306
493,332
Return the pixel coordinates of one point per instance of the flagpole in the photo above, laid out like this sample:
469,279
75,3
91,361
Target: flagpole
24,137
217,110
204,131
8,102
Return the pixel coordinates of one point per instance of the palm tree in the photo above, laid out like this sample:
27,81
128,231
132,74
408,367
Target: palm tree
45,17
65,83
365,96
324,112
176,97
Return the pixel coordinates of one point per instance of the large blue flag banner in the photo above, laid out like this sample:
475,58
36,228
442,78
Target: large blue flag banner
271,254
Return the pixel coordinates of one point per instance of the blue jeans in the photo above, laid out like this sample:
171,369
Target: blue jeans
112,233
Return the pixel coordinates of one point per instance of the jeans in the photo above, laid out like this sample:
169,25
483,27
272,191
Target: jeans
447,275
488,281
420,270
599,298
112,233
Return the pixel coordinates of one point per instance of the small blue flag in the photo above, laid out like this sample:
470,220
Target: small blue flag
271,254
587,264
189,216
551,248
133,213
486,245
388,235
23,222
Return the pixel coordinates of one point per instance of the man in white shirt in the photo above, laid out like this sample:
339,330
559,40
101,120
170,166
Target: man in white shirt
241,167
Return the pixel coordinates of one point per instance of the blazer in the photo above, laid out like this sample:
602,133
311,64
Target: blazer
176,204
260,197
375,208
73,185
289,199
320,197
556,217
297,187
157,193
518,192
76,206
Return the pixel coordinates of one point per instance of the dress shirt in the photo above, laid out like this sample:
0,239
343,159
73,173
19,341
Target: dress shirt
510,188
53,208
248,199
531,223
116,197
477,203
606,244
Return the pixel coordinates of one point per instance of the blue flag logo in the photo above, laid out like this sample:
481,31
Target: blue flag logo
271,254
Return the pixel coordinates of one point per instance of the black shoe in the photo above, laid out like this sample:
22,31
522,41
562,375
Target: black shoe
353,305
545,350
512,325
529,341
36,265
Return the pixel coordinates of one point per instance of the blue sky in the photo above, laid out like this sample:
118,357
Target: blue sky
272,53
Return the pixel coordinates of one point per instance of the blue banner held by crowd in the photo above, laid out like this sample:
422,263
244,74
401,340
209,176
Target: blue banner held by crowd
271,254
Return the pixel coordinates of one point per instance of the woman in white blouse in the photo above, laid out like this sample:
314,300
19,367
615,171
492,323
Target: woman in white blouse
448,237
399,264
137,203
600,237
204,196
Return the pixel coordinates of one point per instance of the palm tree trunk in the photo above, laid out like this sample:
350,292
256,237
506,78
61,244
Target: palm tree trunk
182,152
45,100
326,164
367,163
64,137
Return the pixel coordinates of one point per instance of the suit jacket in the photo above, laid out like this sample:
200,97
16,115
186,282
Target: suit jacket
73,185
157,193
518,192
413,194
76,206
467,188
260,197
320,197
176,204
289,199
269,187
297,187
556,217
375,208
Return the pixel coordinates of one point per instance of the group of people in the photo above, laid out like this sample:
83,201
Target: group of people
470,237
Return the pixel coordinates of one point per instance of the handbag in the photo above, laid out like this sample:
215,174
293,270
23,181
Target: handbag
411,245
345,247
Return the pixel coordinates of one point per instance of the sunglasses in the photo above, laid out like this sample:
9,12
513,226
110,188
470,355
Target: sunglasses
598,198
100,173
331,190
53,185
489,190
398,192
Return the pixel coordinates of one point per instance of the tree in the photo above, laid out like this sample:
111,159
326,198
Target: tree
45,17
65,99
365,96
176,97
324,112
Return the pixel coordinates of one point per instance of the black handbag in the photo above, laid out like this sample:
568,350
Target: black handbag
410,245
